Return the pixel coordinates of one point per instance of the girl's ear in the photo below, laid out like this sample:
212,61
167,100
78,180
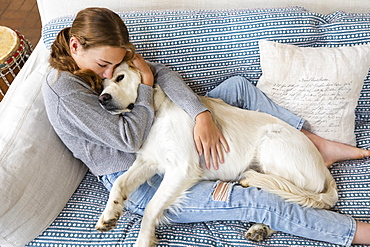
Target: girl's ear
74,43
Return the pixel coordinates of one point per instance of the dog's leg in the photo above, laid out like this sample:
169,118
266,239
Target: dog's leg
122,188
259,232
293,167
172,189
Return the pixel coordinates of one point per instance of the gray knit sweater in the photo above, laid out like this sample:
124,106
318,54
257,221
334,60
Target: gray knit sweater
107,143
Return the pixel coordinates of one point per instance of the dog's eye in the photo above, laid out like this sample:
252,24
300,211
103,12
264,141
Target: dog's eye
120,78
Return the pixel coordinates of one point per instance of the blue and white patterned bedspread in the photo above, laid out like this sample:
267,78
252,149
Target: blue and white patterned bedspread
206,47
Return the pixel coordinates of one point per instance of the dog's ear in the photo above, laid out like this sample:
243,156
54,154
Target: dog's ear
131,65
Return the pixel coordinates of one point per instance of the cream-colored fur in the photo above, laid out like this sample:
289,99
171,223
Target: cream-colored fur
290,164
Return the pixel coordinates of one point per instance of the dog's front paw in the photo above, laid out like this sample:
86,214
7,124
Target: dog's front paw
146,238
259,232
108,220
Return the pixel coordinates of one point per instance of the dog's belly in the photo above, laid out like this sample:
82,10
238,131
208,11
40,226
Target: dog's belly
171,142
255,137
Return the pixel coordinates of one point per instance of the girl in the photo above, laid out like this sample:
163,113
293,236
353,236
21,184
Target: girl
88,52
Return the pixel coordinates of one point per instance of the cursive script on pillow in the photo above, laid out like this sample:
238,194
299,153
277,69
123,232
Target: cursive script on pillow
322,85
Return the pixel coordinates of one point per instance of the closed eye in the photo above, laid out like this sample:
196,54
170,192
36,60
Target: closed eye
120,78
102,65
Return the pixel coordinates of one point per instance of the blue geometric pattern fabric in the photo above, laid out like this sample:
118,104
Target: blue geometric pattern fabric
207,47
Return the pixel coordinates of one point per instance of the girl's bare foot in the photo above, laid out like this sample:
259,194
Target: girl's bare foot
362,235
335,151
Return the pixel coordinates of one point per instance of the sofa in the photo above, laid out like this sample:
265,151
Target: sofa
49,198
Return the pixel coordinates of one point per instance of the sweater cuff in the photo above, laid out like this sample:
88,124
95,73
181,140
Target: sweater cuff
144,95
194,109
194,112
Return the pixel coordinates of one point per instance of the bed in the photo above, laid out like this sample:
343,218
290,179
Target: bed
49,198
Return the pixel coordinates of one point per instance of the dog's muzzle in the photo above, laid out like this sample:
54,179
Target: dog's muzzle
107,102
105,98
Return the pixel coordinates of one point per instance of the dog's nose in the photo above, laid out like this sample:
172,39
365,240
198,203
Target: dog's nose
105,98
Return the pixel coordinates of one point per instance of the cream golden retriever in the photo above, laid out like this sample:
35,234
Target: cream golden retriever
265,152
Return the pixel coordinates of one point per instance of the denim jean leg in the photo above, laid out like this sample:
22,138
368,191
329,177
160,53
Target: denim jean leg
254,205
251,205
240,92
109,179
139,198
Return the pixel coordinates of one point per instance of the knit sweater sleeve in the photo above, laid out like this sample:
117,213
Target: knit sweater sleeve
175,88
76,115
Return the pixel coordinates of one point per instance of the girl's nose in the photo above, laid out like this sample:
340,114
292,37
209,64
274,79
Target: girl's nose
108,73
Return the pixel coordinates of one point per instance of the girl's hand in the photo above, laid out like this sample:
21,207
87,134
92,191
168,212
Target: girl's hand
147,77
209,140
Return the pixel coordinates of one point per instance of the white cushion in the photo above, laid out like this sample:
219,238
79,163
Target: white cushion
38,174
321,84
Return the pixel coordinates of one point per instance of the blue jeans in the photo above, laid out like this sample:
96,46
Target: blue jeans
238,91
248,204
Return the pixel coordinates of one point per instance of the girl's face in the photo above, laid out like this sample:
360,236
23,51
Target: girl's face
102,59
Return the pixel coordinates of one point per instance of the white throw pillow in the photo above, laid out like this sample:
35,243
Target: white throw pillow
322,84
38,174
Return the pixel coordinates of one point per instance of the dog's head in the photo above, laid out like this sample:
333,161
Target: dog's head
120,92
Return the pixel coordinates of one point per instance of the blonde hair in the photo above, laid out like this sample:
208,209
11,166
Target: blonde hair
93,27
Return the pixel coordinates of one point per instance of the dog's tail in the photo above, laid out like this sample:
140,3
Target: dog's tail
292,193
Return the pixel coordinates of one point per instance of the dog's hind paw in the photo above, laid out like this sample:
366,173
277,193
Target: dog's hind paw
104,225
244,183
259,232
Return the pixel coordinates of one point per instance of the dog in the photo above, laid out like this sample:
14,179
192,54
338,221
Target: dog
265,152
